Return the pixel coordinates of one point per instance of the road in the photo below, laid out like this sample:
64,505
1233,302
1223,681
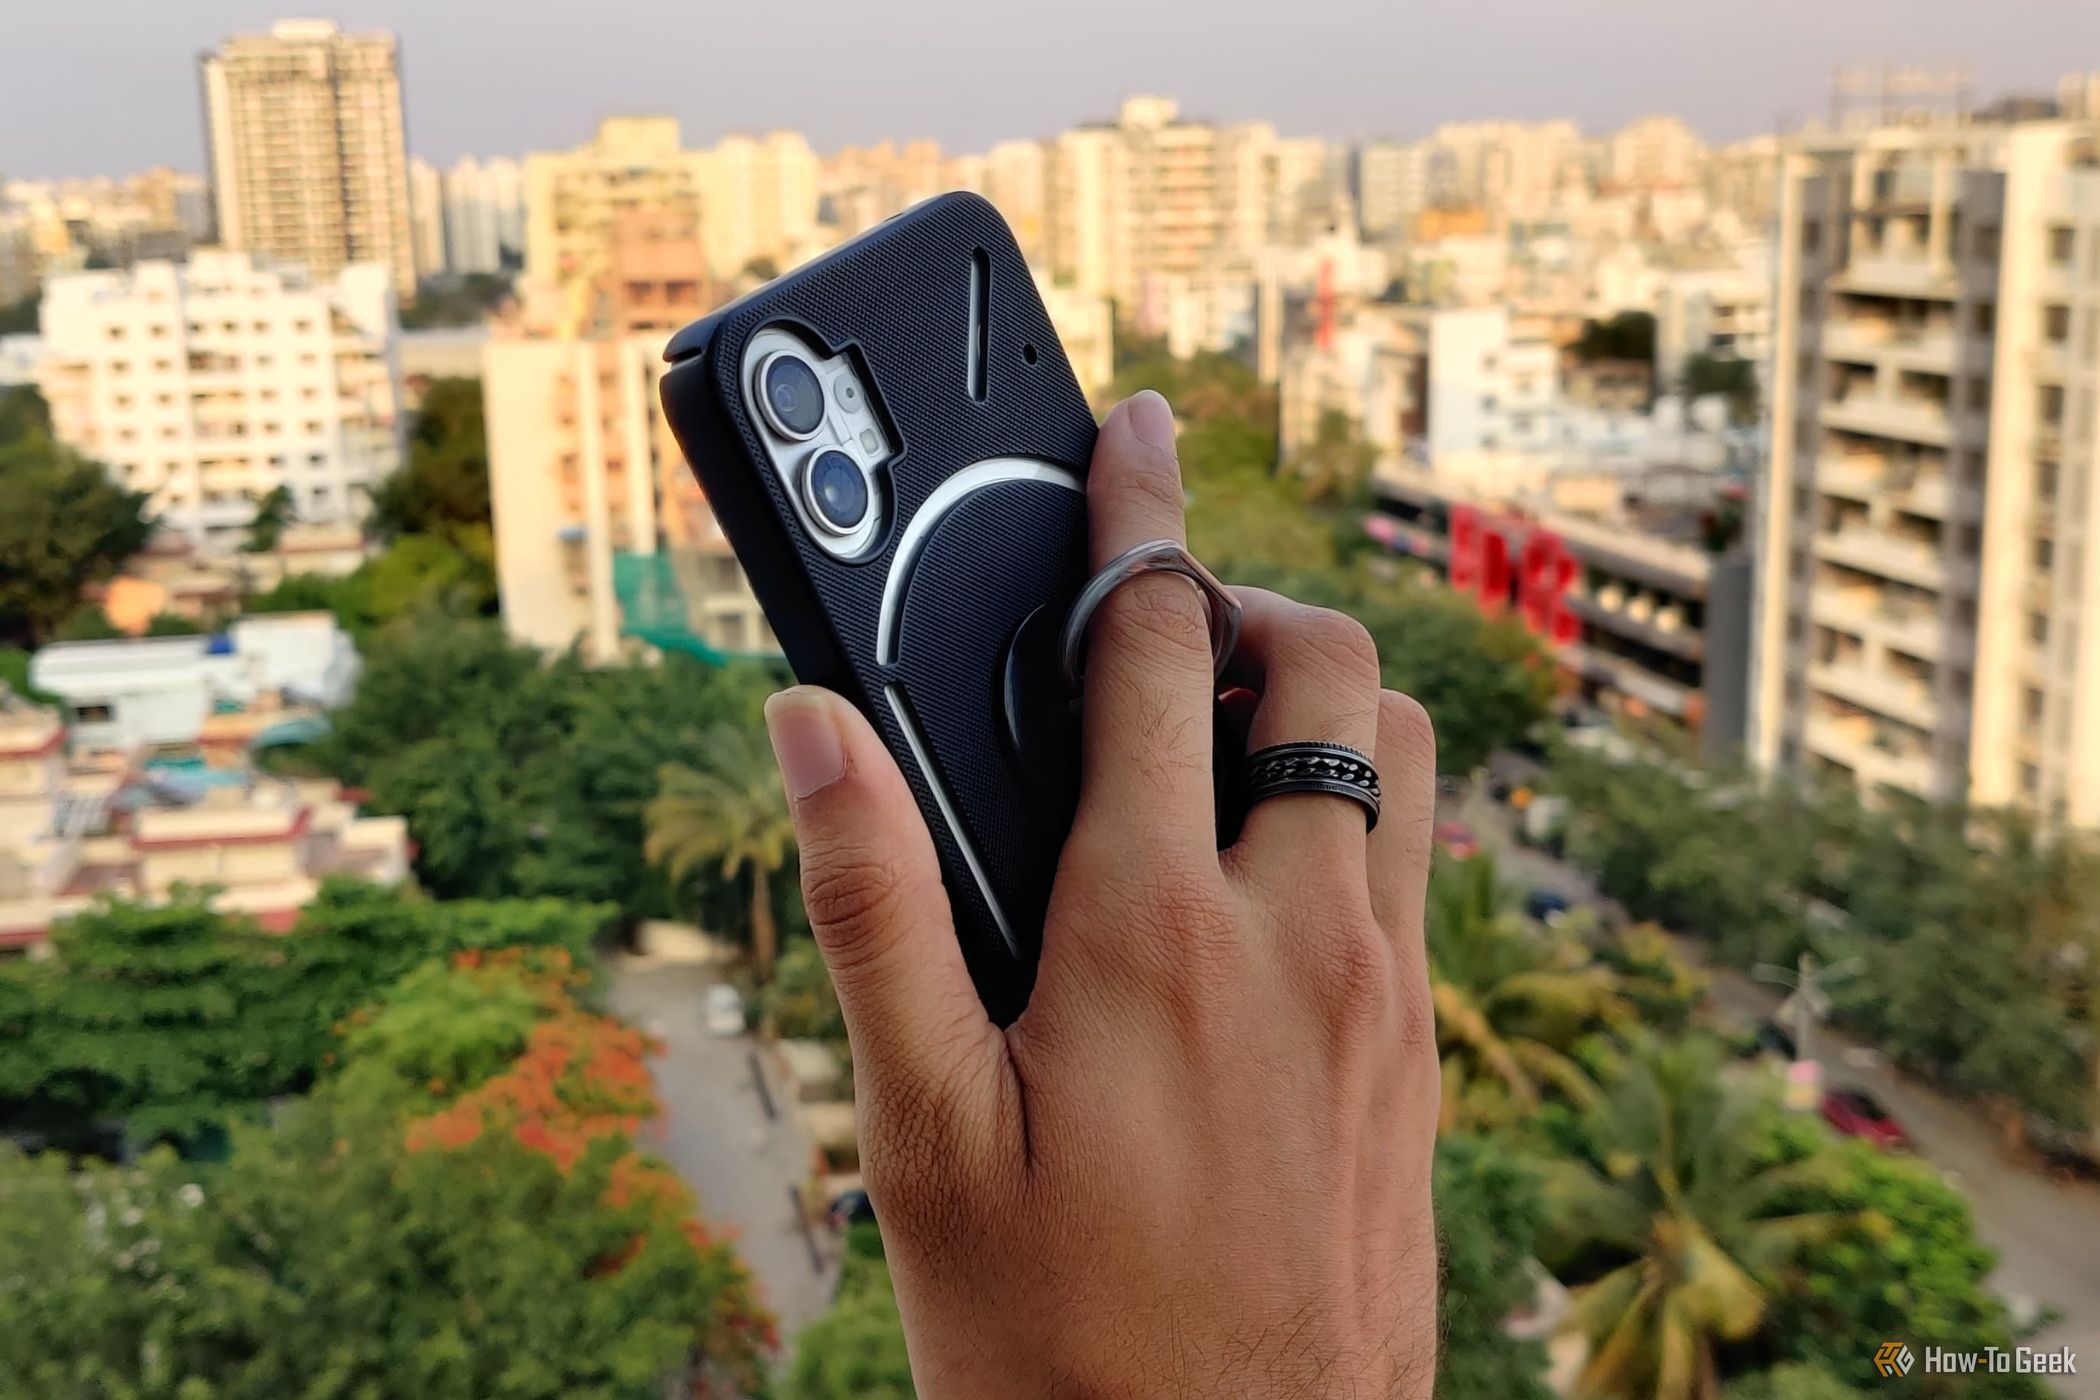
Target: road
716,1132
2046,1232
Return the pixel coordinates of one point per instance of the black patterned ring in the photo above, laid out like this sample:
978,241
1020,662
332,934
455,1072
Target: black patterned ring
1333,769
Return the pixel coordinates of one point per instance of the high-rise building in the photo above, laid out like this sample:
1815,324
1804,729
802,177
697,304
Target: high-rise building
426,219
602,535
484,214
1655,153
209,386
1929,528
309,158
1392,186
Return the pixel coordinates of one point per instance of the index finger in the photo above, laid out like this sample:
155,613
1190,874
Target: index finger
1149,679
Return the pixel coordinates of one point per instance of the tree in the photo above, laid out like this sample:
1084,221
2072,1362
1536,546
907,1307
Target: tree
63,524
1677,1222
1792,1382
1907,1263
1511,999
20,317
800,1001
1734,379
272,513
444,486
731,811
465,301
855,1351
1335,465
87,623
395,1234
1489,1215
1630,335
167,624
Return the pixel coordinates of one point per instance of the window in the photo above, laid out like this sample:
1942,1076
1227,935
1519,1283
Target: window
1987,242
93,712
1811,238
116,332
1983,319
2056,324
2050,406
1979,394
2063,246
2044,557
2045,477
2032,704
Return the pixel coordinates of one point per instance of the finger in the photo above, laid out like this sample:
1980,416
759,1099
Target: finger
1146,736
872,886
1400,846
1317,674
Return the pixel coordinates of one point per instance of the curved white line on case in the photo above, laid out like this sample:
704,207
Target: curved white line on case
909,723
945,498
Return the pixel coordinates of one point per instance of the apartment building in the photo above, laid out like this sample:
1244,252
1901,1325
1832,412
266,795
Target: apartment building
309,159
1927,544
208,386
484,214
603,538
426,218
1655,152
1613,573
1723,313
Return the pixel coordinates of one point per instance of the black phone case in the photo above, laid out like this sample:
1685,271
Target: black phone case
978,722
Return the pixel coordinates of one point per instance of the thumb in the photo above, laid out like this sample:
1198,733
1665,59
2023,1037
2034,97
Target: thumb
872,886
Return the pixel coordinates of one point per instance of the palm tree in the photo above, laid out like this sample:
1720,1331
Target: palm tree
732,810
1511,998
1677,1192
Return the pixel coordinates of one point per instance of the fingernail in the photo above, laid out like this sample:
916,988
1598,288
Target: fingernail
805,741
1152,420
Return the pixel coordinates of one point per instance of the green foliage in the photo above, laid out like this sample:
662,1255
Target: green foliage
1489,1215
443,490
1336,464
520,776
20,317
172,625
465,302
1630,335
330,1258
87,623
1792,1382
800,1000
272,513
177,1018
729,814
63,524
1907,1265
1735,379
855,1351
14,674
1675,1224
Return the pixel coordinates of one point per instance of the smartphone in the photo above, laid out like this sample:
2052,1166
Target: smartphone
896,448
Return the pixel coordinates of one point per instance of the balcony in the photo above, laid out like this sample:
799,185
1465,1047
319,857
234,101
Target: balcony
1857,477
1918,420
1876,757
1850,610
1877,552
1880,691
1876,274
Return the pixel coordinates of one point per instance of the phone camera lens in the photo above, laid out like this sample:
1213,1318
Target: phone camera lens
837,491
790,395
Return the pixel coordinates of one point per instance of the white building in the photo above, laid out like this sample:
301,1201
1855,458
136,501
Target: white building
426,218
1494,388
484,214
1656,152
167,690
1722,313
209,386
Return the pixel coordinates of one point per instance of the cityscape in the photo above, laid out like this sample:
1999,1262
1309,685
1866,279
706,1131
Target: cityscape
403,985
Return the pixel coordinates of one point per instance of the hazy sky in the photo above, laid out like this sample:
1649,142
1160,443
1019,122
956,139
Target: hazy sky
110,86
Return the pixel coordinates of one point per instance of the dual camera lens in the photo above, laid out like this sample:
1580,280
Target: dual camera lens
791,399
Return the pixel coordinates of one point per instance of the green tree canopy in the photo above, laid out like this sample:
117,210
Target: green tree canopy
444,486
1630,335
64,525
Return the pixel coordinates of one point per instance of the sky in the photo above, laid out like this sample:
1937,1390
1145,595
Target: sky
111,87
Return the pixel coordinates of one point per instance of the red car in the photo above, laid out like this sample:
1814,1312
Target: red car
1458,839
1854,1113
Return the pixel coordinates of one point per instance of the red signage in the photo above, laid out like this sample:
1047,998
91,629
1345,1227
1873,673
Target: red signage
1543,573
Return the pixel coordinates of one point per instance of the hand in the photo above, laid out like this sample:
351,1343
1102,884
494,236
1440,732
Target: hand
1199,1164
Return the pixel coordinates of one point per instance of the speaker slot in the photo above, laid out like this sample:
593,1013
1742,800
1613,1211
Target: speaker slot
980,320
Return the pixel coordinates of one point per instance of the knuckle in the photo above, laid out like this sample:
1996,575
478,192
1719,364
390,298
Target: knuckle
1157,615
1356,982
1411,731
1336,642
853,895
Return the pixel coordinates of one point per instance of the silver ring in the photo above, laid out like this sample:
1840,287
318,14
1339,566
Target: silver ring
1152,557
1333,769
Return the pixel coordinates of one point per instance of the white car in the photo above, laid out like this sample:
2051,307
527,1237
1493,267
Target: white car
722,1010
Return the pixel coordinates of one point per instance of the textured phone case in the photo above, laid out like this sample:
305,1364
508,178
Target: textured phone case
986,524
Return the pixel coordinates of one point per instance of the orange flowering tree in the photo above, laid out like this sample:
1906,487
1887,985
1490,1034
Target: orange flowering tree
457,1211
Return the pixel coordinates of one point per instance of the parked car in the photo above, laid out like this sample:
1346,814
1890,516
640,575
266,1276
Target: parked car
1545,906
722,1010
1458,839
1855,1113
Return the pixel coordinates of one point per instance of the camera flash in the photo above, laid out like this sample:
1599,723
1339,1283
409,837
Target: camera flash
870,443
